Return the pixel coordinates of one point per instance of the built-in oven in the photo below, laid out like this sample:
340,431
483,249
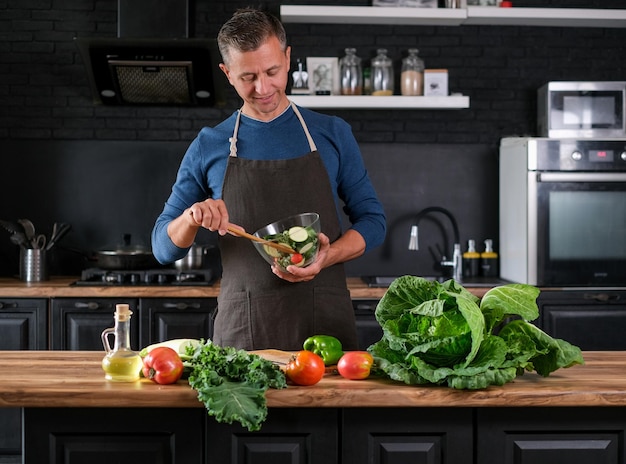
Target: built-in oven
563,211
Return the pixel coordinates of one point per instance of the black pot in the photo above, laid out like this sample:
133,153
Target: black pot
126,257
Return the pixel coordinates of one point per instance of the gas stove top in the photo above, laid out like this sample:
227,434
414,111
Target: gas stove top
155,277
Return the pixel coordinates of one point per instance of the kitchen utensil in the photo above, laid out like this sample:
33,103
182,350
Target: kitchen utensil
39,242
19,239
12,226
194,259
307,246
58,232
278,246
29,228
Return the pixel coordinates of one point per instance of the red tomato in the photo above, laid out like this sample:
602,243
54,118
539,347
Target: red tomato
296,258
355,365
305,368
163,366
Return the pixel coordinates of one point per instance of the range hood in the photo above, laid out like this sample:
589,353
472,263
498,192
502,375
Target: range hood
153,61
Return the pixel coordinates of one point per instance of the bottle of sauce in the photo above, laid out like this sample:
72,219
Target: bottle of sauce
471,260
382,74
412,74
351,73
120,364
489,260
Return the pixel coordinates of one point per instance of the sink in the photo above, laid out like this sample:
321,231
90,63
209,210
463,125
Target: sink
476,282
385,281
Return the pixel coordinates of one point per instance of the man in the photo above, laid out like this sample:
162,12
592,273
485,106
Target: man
260,165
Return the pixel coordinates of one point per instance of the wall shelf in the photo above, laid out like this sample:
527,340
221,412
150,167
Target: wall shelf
372,15
370,102
556,17
473,15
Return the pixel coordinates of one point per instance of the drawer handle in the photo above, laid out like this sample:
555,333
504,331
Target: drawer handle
602,297
7,305
181,305
91,305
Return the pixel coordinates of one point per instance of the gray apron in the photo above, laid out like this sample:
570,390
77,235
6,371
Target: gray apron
257,309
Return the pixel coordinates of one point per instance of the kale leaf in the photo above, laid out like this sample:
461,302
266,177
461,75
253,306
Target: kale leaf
232,383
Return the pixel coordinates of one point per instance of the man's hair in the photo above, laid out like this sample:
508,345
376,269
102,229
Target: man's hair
247,30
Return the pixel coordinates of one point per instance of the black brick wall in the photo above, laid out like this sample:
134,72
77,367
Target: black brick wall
44,92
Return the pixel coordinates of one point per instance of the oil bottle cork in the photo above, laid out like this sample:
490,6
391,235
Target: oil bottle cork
489,260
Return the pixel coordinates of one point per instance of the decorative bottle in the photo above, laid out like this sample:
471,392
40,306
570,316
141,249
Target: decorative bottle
382,73
412,74
471,260
351,73
120,364
489,260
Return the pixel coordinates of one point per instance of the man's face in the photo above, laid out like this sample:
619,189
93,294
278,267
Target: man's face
260,78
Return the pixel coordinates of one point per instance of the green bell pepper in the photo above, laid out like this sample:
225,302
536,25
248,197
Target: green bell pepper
326,346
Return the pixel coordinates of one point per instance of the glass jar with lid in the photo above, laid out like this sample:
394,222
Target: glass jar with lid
382,73
351,73
412,74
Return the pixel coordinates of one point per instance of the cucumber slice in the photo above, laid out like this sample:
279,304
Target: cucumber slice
273,252
306,248
298,234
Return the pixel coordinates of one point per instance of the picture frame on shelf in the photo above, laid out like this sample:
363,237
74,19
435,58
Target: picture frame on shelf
323,75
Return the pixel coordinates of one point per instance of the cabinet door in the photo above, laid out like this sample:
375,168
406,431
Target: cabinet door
550,435
368,330
114,435
289,435
592,320
23,326
407,436
169,318
77,323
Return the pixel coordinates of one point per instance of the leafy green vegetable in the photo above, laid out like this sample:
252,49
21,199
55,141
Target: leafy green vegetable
232,383
442,334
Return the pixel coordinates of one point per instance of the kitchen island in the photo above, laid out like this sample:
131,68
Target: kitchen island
577,414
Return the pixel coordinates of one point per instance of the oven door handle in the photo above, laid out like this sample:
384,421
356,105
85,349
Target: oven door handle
581,177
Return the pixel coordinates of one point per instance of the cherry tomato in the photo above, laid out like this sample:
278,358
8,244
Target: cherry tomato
163,366
296,258
305,368
355,365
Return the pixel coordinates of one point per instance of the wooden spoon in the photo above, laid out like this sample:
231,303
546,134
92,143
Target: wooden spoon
278,246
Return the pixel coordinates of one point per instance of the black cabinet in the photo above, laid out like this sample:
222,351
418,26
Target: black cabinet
114,435
170,318
407,436
590,319
77,323
368,329
551,435
295,436
23,326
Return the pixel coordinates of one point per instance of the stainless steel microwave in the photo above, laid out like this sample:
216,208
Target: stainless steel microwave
582,109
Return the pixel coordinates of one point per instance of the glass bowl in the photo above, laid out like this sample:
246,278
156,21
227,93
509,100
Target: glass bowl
300,232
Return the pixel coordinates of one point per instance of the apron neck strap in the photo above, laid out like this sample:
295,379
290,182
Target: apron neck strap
233,139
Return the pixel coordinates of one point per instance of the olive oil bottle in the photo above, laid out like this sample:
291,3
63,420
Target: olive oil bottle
121,364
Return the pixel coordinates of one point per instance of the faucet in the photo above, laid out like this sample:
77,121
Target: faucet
456,263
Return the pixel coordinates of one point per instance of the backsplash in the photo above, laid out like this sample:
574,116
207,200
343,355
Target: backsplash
106,189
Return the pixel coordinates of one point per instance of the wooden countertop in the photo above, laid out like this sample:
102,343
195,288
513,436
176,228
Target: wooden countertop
75,379
60,287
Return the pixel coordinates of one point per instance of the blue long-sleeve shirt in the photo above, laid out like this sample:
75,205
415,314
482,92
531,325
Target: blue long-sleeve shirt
201,173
